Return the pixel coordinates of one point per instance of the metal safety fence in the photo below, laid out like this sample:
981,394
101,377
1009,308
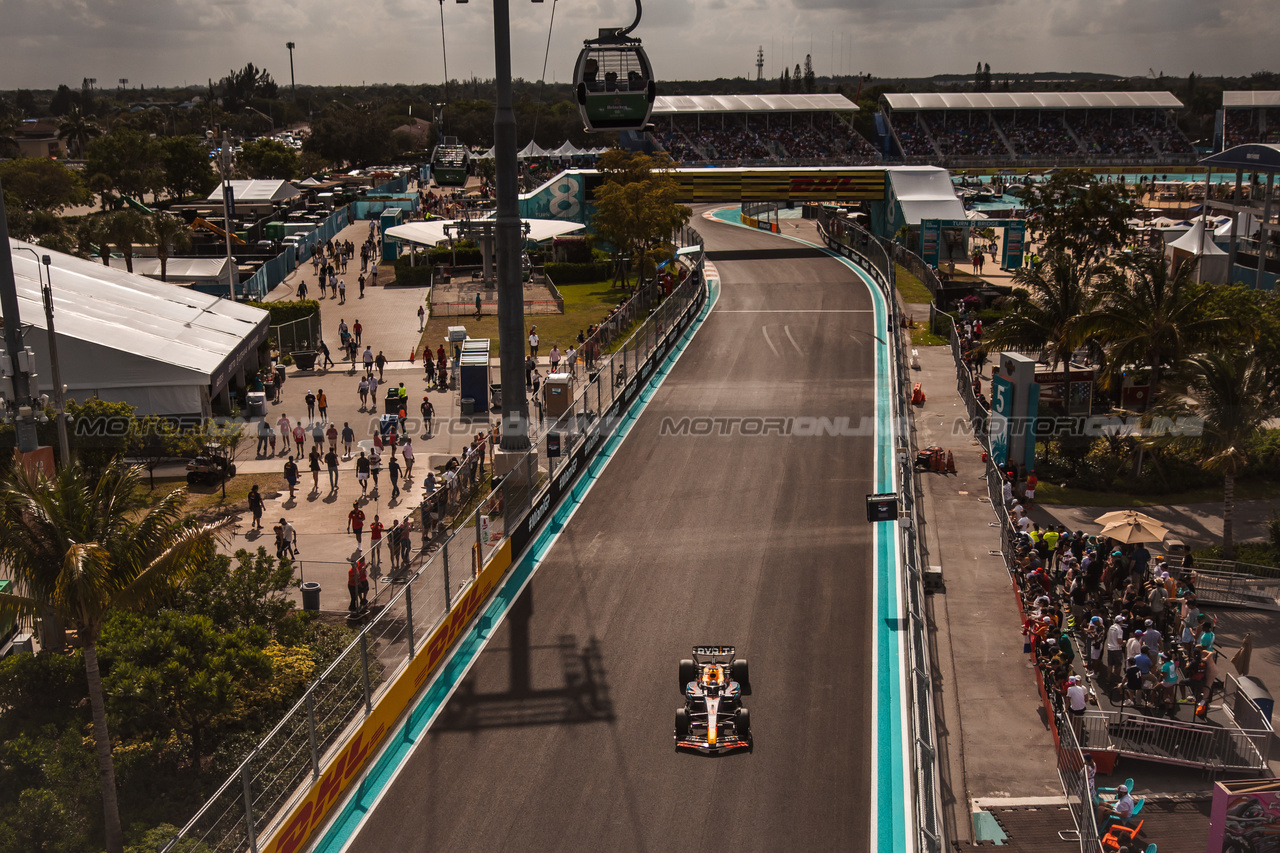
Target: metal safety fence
1077,784
851,240
405,611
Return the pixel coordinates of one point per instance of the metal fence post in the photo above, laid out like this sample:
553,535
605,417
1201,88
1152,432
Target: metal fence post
311,733
249,832
364,671
444,553
475,568
408,612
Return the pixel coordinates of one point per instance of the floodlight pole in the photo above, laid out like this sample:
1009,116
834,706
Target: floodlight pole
515,408
293,84
64,446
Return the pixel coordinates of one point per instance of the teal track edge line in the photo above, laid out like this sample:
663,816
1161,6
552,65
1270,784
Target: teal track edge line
401,740
888,785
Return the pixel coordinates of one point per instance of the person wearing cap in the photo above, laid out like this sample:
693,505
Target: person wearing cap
1115,648
1156,596
290,537
1151,636
311,405
1118,812
1077,702
1096,633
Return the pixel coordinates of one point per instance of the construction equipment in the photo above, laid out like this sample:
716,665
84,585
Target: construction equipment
204,224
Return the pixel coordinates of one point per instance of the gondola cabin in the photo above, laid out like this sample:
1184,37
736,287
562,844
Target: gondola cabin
614,86
450,163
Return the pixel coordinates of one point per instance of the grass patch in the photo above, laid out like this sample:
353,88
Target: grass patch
584,304
1050,493
206,502
922,337
911,287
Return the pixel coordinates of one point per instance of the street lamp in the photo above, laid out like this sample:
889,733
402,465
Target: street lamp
46,292
293,86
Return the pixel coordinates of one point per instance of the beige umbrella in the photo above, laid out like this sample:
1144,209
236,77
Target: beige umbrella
1135,530
1124,515
1240,660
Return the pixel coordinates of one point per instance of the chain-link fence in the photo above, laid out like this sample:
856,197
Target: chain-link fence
296,335
457,528
851,240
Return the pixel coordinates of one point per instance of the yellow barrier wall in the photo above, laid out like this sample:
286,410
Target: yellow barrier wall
310,813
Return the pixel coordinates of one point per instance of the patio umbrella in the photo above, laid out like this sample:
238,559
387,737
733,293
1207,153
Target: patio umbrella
1240,660
1135,530
1123,515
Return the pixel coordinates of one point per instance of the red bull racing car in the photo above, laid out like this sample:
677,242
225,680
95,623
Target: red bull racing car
713,720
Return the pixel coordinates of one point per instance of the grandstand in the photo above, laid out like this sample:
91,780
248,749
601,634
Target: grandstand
766,130
1035,128
1250,117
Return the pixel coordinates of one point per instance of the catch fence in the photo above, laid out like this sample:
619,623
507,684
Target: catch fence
278,772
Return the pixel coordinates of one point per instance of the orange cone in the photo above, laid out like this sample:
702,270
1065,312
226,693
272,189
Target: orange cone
413,351
951,463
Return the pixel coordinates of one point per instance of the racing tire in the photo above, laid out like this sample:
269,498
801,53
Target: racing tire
682,723
743,722
688,672
740,673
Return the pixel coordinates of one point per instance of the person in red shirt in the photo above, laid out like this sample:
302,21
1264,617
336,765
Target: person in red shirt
1032,482
355,522
375,537
358,586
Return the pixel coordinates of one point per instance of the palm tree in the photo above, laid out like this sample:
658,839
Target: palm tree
81,546
78,130
1050,301
170,233
1233,397
91,236
1150,316
126,228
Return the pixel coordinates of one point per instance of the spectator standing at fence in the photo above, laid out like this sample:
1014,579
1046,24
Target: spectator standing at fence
357,576
375,541
393,544
355,522
1115,648
530,365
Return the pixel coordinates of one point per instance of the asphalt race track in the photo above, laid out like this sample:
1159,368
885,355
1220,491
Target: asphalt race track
561,736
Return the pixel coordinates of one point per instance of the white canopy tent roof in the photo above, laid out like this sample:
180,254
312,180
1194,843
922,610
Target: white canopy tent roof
124,337
178,270
925,192
258,191
533,149
693,104
432,232
568,149
1031,101
1198,241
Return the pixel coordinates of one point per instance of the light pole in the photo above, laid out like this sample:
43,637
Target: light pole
15,354
293,85
60,412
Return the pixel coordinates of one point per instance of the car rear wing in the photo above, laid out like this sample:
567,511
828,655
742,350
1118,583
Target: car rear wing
700,652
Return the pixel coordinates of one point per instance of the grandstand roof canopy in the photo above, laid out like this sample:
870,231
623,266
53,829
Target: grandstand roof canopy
1251,99
695,104
1032,101
1251,157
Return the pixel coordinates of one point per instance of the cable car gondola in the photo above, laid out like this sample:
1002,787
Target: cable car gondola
449,162
613,81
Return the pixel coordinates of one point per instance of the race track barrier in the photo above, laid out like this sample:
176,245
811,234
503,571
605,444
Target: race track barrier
290,783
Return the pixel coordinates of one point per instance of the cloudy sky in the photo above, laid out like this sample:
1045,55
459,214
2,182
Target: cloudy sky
171,42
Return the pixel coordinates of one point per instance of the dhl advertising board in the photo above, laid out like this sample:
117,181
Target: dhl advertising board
799,184
308,814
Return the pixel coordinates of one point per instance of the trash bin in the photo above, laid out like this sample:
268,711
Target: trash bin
1253,688
256,403
391,403
468,406
311,596
495,391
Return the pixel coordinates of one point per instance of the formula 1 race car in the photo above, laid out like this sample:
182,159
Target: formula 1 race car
713,720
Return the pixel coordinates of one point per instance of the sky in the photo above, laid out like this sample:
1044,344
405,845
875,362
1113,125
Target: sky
172,42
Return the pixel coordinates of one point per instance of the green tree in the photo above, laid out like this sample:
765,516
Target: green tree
268,158
240,88
151,440
127,228
178,671
78,130
1147,316
636,209
129,159
188,169
359,134
1232,396
1074,212
81,548
99,432
41,184
810,79
39,823
252,591
170,233
1049,302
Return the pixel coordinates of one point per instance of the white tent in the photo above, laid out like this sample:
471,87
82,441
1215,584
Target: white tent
568,149
1197,245
122,337
179,270
488,155
433,231
924,192
257,191
533,149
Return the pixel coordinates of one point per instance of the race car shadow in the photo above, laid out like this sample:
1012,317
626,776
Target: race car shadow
581,694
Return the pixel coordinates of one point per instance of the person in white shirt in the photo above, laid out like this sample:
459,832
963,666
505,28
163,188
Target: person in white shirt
1115,647
1077,701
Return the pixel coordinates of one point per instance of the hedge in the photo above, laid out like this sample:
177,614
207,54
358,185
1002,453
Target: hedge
562,273
286,312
